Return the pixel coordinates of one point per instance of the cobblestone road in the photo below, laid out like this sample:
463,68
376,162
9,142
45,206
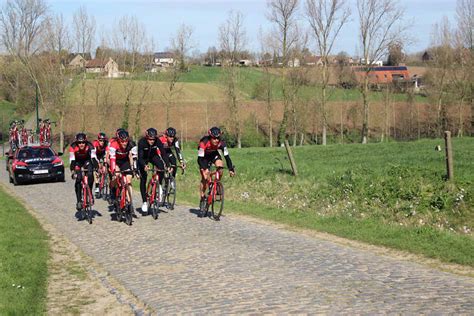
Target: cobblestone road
184,264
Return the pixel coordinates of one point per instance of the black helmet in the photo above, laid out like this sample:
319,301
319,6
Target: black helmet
171,132
122,134
102,136
215,132
81,137
120,129
151,133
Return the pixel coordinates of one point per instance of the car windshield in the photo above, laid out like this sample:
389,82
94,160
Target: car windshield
32,153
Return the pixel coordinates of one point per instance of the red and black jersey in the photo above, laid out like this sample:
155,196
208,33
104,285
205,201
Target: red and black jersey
100,150
78,155
168,145
117,152
206,148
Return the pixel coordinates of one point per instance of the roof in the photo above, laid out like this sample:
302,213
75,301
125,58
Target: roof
383,68
163,55
96,63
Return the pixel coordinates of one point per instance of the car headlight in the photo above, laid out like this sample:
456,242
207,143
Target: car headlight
58,164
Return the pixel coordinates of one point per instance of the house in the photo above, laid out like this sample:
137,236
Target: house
106,67
245,62
77,62
382,75
426,57
164,59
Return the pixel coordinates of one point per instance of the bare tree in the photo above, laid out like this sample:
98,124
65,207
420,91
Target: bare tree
266,84
84,30
439,77
283,13
232,40
465,39
22,23
181,44
465,19
379,27
326,18
129,40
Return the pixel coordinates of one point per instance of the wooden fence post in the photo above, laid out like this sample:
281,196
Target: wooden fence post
290,156
449,155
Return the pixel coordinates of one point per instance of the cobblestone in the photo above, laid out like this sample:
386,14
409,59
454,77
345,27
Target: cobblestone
184,264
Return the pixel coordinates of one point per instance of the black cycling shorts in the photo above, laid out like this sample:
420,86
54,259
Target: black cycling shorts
124,166
207,161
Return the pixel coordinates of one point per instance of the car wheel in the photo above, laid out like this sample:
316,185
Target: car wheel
16,181
10,178
61,179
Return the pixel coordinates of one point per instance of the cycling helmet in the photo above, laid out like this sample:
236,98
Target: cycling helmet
81,137
123,135
151,133
171,132
102,136
215,132
118,131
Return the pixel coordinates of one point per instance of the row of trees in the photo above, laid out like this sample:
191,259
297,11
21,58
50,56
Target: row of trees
39,42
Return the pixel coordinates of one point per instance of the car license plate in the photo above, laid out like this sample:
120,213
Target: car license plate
40,171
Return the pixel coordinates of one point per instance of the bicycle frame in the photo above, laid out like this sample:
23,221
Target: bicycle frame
214,177
151,188
122,189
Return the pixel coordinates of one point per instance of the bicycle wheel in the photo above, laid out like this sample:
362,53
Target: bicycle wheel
128,207
171,193
154,209
89,203
218,201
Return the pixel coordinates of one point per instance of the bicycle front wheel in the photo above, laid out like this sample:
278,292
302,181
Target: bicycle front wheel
128,207
218,202
89,203
171,193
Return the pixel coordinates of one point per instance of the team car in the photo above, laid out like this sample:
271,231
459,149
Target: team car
34,163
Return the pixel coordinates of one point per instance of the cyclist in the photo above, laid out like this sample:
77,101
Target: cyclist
208,154
101,149
81,155
122,155
150,150
169,140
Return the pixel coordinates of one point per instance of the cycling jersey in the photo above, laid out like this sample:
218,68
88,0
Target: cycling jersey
167,146
119,153
78,156
147,152
207,152
100,150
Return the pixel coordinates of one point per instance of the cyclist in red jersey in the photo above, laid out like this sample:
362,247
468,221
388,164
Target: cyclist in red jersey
101,149
169,140
81,155
208,154
123,156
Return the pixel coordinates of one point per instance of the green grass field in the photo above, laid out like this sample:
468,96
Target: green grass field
390,194
7,114
249,78
23,260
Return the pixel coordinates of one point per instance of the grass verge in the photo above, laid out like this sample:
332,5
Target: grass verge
391,195
24,254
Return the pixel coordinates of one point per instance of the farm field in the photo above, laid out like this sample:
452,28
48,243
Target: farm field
390,194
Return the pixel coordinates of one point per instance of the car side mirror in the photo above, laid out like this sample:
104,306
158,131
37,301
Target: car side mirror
60,154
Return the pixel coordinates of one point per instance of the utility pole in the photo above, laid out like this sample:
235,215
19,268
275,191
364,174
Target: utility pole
37,110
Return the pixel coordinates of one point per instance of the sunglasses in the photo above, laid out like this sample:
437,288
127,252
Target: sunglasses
81,142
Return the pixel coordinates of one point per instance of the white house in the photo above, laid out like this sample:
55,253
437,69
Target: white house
103,66
164,59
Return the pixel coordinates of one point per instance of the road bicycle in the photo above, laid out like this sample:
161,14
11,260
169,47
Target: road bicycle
87,200
214,198
103,182
154,193
123,202
169,189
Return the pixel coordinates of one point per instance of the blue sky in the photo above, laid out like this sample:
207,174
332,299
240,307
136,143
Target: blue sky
162,18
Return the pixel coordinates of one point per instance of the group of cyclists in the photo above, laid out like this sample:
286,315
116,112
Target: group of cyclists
121,154
20,136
